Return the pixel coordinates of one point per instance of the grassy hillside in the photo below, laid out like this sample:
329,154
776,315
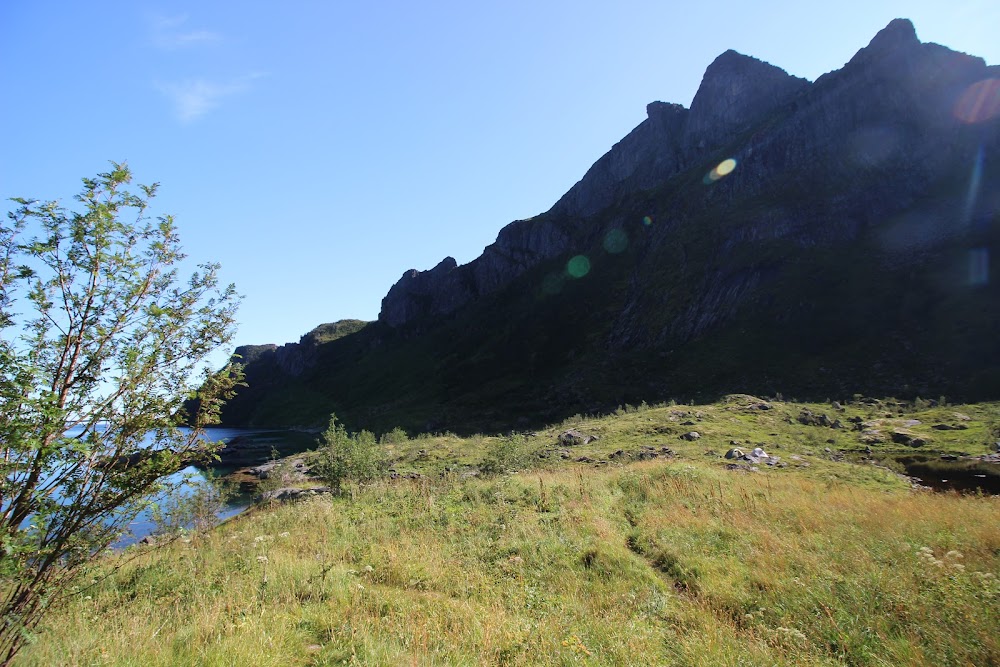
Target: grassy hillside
681,560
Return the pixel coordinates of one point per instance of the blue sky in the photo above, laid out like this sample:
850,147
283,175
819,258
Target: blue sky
320,149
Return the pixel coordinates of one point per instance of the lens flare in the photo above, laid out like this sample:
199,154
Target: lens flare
578,267
616,241
873,145
974,181
979,102
720,170
979,266
553,283
726,167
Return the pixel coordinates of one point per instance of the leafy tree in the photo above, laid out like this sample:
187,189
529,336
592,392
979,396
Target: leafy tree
343,456
100,343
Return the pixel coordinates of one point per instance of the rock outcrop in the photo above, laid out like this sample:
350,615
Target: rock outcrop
736,91
883,126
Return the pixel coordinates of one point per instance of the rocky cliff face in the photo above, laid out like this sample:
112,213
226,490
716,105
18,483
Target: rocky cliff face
276,373
736,91
820,238
879,131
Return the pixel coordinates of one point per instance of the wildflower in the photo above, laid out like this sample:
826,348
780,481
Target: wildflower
284,534
953,554
792,632
261,538
369,569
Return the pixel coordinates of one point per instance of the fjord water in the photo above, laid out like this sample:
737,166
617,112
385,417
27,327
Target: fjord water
190,479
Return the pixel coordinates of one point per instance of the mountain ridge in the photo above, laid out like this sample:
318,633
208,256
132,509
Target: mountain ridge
698,240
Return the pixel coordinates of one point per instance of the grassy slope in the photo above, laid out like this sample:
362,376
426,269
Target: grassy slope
667,562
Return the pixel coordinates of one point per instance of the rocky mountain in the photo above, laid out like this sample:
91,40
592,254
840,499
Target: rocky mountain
780,235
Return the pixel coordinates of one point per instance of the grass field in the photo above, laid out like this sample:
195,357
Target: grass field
614,561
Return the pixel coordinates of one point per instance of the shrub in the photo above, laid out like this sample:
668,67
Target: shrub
505,455
396,436
343,456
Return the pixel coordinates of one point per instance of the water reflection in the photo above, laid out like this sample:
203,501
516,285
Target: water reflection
949,473
191,480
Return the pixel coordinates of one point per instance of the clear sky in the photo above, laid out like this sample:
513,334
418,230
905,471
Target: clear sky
320,149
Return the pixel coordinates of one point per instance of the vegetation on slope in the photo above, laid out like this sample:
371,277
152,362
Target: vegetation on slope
671,561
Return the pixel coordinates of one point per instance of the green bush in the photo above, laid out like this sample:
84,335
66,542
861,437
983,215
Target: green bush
346,457
505,455
396,436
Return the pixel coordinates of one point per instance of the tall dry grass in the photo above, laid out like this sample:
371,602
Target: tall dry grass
659,563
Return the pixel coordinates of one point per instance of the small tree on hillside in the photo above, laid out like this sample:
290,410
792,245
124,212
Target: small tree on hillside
504,455
99,346
343,456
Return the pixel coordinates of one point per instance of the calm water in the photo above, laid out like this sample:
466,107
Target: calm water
190,478
963,476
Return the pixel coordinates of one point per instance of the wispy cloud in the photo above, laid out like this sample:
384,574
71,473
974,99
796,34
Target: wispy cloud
193,98
170,32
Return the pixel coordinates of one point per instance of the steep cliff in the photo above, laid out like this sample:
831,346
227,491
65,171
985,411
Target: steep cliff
736,92
779,235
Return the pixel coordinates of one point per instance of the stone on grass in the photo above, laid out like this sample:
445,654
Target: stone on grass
573,437
901,437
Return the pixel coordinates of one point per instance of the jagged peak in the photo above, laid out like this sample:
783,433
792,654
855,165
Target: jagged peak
446,264
731,56
737,89
898,35
659,109
731,61
899,32
733,70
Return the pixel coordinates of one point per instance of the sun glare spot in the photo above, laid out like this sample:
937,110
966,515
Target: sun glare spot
979,266
578,267
720,170
872,146
615,241
553,283
979,102
975,180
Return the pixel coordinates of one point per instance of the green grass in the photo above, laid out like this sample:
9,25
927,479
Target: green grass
674,561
